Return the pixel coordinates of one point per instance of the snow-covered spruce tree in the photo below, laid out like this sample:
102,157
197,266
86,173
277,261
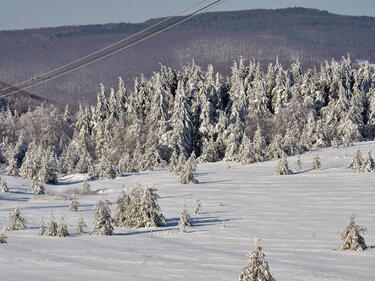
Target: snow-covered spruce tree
62,229
316,163
185,217
3,238
17,222
173,162
298,164
357,160
85,189
143,209
106,169
246,154
36,187
282,167
368,164
192,162
3,185
181,225
47,172
103,220
187,175
81,225
257,268
51,227
12,168
198,207
351,237
74,205
122,203
92,173
42,228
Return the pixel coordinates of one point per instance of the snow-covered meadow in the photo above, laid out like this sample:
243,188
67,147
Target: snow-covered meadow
299,218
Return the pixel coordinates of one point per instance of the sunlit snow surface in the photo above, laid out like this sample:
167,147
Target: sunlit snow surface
299,218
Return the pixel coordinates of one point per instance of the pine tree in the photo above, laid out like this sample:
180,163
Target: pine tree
173,162
81,225
181,225
122,203
16,220
198,207
187,175
257,268
357,160
106,169
85,189
47,172
74,205
143,209
298,164
42,228
51,227
185,217
62,229
103,220
3,238
368,164
12,168
316,163
282,167
36,187
351,237
3,185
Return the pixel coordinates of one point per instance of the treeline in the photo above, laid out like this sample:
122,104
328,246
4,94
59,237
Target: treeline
251,116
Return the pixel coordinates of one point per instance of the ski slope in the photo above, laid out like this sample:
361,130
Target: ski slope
299,218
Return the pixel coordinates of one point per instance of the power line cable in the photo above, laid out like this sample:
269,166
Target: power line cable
39,76
52,77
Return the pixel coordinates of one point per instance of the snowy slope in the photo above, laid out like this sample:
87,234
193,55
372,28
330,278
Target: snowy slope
299,218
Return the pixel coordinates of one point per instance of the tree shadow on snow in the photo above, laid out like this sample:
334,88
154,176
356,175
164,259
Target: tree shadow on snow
202,182
201,221
23,199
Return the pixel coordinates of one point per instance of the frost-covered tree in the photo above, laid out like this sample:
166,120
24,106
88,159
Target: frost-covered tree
368,164
74,205
51,227
187,175
36,187
3,238
357,160
106,169
85,188
62,229
17,222
181,225
81,225
103,220
316,163
42,227
122,203
3,185
298,164
173,162
282,167
185,218
12,168
351,237
257,268
143,209
47,172
198,207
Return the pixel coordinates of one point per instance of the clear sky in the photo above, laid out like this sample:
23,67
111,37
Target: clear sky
19,14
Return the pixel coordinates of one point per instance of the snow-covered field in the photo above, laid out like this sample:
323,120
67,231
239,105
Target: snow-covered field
299,218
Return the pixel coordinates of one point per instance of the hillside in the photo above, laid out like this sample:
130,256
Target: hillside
213,38
299,218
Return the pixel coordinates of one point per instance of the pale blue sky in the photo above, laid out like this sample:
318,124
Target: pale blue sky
19,14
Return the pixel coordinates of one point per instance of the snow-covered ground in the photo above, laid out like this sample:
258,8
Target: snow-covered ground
299,218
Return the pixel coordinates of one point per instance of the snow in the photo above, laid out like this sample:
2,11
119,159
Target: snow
299,218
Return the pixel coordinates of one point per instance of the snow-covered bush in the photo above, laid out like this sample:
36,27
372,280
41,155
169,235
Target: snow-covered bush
185,218
3,238
81,225
103,220
3,185
42,227
316,163
356,163
62,229
51,227
17,222
257,268
12,168
198,207
368,164
74,205
282,167
351,237
37,188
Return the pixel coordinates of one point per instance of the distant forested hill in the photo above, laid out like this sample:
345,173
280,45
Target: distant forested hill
215,38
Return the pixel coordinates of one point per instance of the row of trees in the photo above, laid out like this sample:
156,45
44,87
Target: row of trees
251,116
